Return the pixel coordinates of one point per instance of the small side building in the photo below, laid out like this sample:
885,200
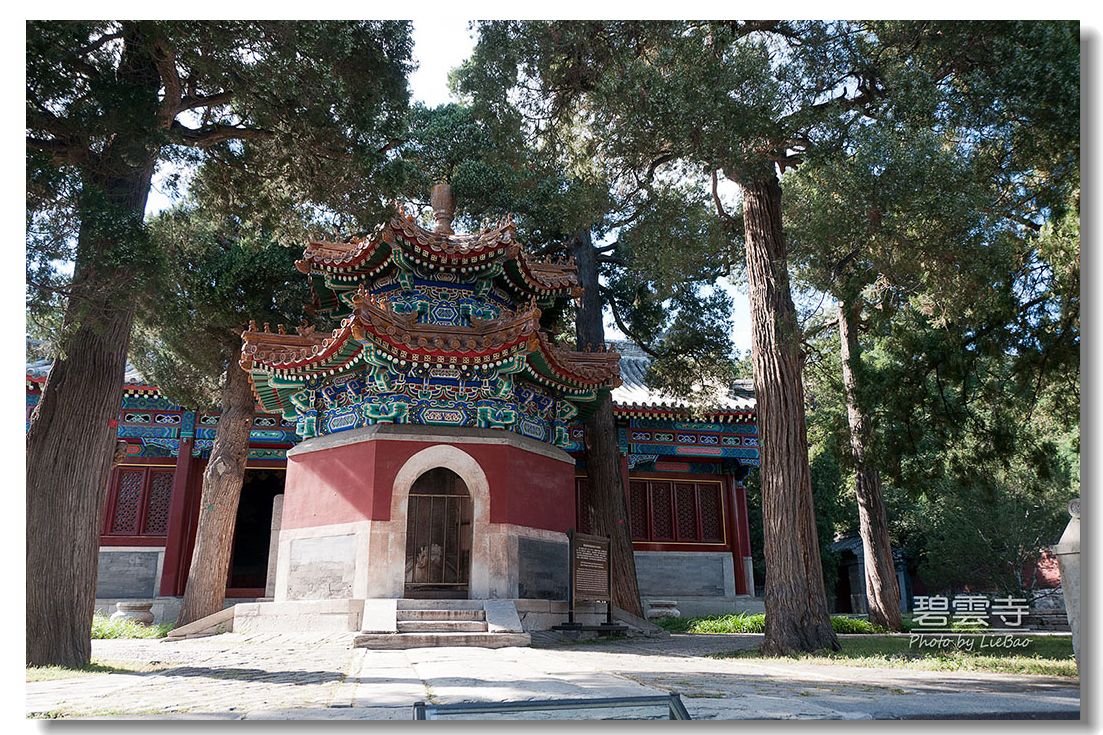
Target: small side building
850,585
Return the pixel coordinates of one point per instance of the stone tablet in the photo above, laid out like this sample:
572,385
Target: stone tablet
590,560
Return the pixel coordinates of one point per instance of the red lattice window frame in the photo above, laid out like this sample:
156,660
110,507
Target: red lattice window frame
677,512
138,503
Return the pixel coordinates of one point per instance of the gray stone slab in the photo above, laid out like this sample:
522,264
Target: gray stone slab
274,545
321,568
542,569
670,574
501,616
129,573
380,616
394,641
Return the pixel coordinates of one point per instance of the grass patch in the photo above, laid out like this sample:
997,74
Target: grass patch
843,624
104,627
753,623
52,673
1045,655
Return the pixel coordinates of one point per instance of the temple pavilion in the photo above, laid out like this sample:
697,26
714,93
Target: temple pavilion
428,445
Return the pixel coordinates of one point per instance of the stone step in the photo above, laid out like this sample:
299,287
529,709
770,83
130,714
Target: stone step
441,615
407,603
1046,621
397,641
441,626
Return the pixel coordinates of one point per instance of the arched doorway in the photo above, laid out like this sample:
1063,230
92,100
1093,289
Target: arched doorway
438,536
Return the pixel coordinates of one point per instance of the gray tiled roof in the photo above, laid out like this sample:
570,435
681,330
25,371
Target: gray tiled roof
40,368
634,391
853,544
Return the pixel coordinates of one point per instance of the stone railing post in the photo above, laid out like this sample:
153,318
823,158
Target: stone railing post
1067,552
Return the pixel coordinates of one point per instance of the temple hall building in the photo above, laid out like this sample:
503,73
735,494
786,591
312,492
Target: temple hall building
428,446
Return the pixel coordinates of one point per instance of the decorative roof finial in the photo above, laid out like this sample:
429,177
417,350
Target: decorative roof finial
444,208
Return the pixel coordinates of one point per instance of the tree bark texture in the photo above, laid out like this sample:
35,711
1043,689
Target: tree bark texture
70,446
607,501
71,440
205,592
882,592
796,606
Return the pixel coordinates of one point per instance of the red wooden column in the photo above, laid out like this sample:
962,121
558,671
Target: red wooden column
627,492
744,535
734,521
175,565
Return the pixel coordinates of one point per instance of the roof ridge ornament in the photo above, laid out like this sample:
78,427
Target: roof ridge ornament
444,208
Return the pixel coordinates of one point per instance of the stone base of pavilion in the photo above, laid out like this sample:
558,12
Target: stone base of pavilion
409,623
381,616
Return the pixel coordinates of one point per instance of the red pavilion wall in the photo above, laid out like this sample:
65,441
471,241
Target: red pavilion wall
354,482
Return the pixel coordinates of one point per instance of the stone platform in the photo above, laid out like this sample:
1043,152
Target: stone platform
401,623
404,624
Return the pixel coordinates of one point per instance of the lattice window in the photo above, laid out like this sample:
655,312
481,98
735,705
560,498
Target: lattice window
664,511
678,511
157,507
712,513
686,498
637,511
662,514
128,502
139,501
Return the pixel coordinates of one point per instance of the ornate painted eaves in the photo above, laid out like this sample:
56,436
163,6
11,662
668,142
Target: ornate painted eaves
336,268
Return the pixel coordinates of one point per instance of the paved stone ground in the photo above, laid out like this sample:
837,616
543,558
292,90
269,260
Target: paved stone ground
266,676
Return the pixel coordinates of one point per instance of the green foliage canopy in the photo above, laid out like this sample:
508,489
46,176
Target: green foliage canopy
109,101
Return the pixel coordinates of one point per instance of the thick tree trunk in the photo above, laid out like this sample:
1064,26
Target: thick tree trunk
70,446
882,592
607,501
71,439
205,592
796,606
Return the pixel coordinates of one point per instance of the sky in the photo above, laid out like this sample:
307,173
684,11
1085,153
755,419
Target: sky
440,44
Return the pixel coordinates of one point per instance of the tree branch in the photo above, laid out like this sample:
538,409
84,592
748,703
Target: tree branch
77,61
59,150
1025,221
209,135
843,262
190,102
720,211
626,220
624,327
391,145
655,163
867,92
165,61
97,44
